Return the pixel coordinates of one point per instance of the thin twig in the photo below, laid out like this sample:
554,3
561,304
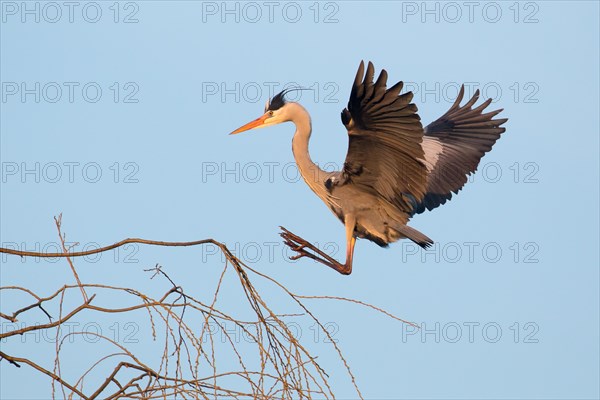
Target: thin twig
16,360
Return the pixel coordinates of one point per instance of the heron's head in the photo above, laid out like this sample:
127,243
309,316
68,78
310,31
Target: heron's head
276,112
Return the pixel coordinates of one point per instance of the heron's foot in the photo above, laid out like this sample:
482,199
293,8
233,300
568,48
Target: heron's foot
307,249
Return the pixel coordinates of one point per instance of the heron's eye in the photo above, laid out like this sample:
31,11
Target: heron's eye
270,113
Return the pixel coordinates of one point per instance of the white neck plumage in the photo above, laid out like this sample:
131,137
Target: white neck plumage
311,173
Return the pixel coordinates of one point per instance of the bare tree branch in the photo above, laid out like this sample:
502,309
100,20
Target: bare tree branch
273,363
111,247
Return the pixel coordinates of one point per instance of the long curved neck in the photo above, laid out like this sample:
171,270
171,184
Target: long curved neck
311,173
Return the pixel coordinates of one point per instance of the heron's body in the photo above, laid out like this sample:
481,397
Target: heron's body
394,169
379,222
376,218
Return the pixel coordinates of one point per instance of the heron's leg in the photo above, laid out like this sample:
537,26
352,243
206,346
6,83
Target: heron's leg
349,224
350,242
302,246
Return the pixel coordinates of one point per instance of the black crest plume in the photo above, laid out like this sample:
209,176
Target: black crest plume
279,100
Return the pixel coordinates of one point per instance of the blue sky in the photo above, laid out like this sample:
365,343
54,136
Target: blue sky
117,115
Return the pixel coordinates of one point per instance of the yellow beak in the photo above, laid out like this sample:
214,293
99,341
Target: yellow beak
251,125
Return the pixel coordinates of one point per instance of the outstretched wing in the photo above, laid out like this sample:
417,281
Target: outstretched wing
385,156
454,144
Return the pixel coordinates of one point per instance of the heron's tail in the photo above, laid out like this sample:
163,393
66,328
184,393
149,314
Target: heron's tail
414,235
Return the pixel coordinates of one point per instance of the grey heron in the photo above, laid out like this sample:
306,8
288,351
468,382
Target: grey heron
394,168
